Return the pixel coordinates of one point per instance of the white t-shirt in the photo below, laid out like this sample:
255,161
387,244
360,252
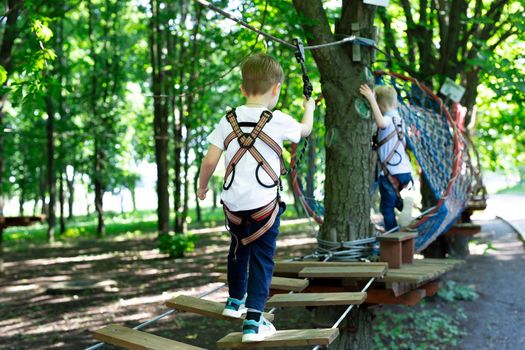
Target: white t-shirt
399,163
245,192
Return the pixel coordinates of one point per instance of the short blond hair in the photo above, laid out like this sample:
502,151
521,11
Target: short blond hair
259,73
386,97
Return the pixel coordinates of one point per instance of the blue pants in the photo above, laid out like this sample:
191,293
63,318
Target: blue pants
257,256
389,198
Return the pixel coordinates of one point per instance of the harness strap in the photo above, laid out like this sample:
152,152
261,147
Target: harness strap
268,211
246,143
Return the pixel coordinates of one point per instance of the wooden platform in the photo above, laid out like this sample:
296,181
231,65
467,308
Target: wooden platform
421,270
287,338
343,271
294,267
466,228
316,299
10,221
203,307
136,340
280,283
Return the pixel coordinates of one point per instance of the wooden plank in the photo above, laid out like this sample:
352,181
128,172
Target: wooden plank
343,271
397,237
464,229
280,283
316,299
421,270
297,266
136,340
286,338
203,307
381,296
431,288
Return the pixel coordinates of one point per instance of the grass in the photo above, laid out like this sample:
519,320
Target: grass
131,223
519,188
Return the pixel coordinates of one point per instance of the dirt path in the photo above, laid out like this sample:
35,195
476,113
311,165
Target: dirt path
497,319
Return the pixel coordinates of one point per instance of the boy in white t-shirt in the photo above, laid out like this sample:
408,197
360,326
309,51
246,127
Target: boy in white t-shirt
396,170
251,136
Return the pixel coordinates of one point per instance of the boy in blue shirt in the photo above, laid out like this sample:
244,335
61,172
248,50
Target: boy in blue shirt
251,137
396,170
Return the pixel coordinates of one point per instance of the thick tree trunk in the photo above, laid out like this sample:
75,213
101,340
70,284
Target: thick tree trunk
347,142
99,193
160,120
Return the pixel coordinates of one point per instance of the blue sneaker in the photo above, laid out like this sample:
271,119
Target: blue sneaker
235,308
253,331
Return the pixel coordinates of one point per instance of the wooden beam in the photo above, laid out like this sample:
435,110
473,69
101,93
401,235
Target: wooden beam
137,340
280,283
316,299
343,271
286,338
431,288
397,237
381,296
203,307
468,229
296,266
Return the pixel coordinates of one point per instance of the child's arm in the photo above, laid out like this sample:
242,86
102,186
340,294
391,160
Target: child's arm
308,117
209,163
376,112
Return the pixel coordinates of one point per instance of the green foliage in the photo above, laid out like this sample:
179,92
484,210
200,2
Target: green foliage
453,291
175,245
3,75
424,328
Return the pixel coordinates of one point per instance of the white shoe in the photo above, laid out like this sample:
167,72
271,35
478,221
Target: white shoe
235,308
254,331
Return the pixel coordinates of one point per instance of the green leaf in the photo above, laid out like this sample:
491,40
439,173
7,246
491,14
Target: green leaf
42,31
3,75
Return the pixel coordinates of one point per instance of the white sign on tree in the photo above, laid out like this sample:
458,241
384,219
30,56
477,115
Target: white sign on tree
383,3
452,90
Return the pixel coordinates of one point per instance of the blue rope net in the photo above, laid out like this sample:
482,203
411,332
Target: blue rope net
440,151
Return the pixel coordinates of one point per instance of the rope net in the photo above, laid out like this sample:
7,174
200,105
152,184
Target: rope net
438,146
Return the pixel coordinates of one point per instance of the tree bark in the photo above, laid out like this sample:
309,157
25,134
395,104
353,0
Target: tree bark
51,181
9,35
62,201
71,196
160,119
348,133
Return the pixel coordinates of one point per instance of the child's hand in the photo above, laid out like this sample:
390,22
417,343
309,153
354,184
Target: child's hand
308,104
201,193
366,92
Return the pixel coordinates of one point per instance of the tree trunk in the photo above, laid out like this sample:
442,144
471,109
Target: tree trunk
347,143
71,196
195,188
51,181
62,201
9,35
160,120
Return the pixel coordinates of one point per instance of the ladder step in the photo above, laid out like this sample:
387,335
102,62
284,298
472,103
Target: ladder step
280,283
292,337
203,307
343,271
136,340
317,299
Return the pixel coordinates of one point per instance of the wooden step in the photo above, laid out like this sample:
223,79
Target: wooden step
296,266
316,299
136,340
292,337
203,307
280,283
343,271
